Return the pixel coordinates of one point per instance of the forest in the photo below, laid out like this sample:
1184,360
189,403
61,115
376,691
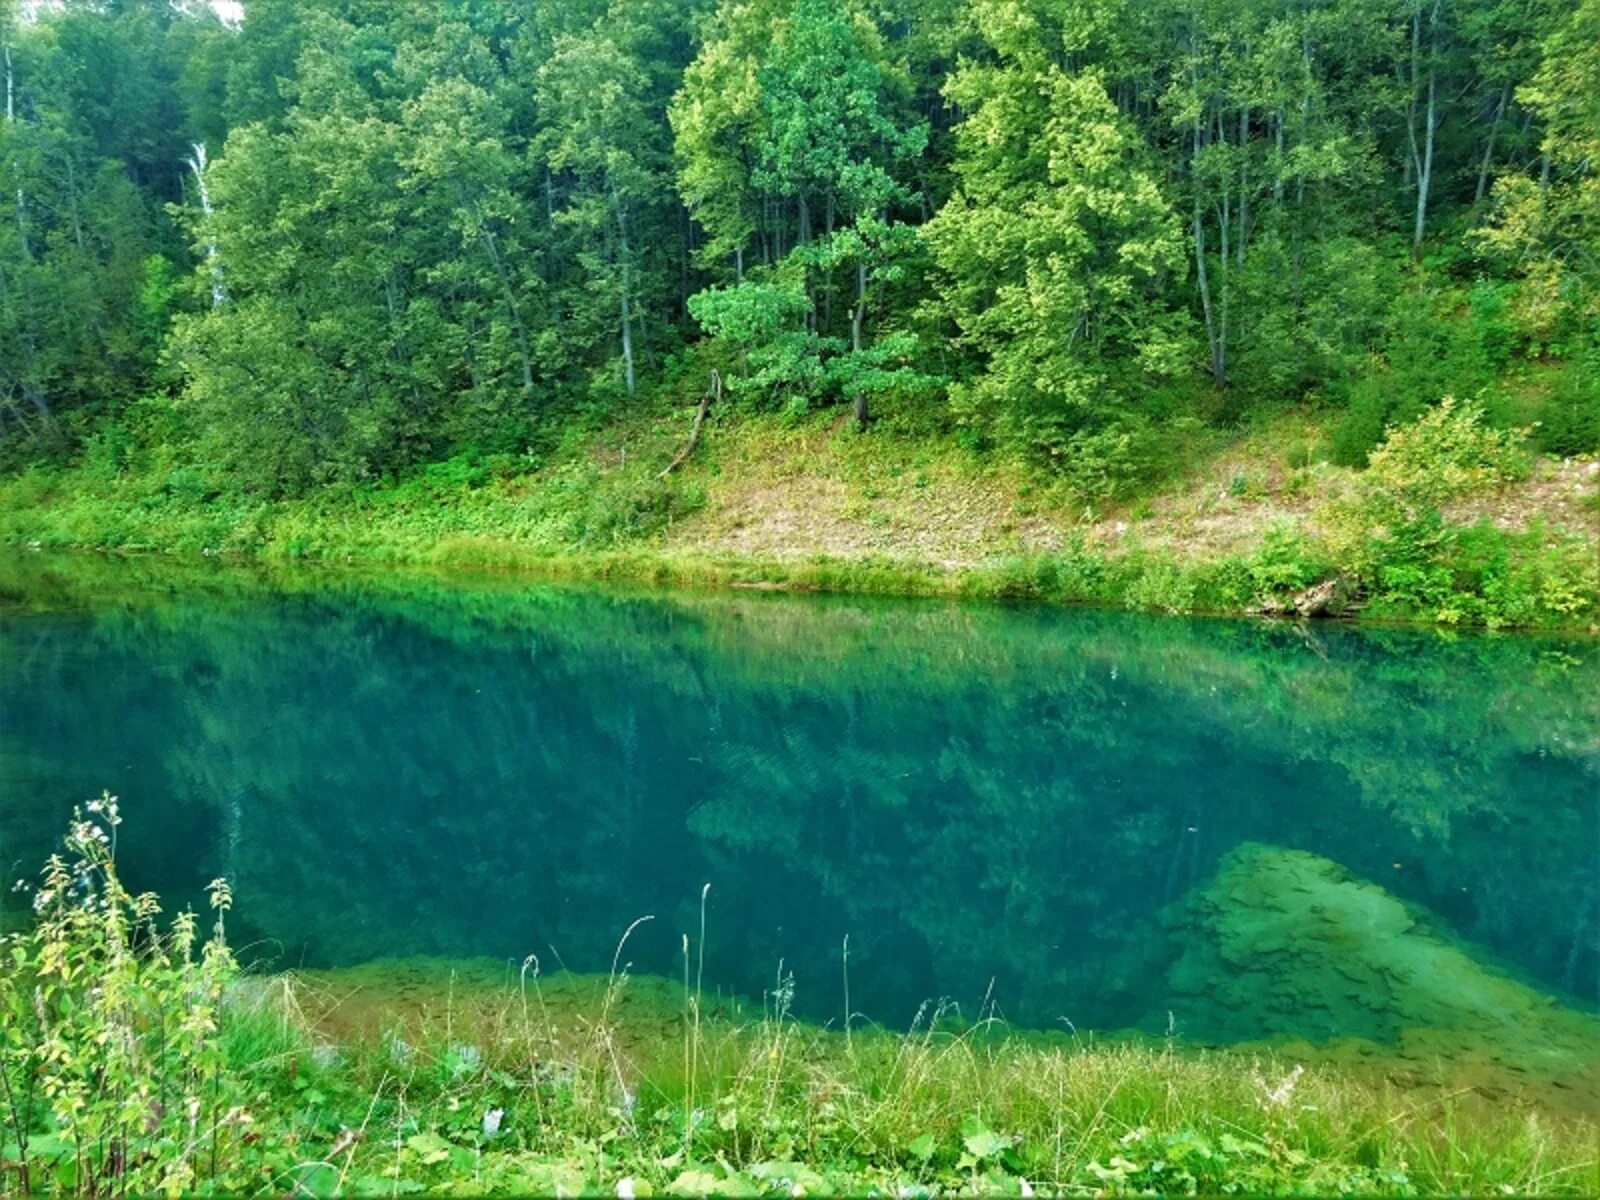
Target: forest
334,245
346,238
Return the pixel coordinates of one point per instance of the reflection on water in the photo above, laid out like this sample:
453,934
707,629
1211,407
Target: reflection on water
1115,820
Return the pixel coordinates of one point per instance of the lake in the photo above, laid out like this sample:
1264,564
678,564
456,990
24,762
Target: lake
1223,830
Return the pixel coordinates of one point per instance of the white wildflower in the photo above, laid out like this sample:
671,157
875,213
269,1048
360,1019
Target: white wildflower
1279,1096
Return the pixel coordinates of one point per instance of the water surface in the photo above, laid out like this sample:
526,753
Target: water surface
1231,829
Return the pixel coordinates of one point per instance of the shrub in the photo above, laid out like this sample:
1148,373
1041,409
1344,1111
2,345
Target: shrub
1393,535
1283,566
1567,421
1447,453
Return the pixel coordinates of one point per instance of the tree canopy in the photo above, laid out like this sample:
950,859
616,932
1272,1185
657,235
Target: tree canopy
342,239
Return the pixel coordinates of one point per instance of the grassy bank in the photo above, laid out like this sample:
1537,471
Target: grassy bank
1453,524
138,1058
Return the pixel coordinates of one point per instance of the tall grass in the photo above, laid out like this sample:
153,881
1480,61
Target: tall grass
770,1103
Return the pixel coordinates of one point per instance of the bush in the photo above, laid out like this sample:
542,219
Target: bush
625,510
1567,421
1111,463
1283,566
1393,536
1447,453
1374,406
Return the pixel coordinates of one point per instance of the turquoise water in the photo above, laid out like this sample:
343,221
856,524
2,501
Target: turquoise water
1230,829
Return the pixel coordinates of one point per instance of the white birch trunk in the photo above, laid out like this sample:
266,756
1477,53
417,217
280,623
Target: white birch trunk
11,120
198,163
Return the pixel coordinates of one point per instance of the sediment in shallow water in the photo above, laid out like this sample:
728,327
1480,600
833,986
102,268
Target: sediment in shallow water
1291,943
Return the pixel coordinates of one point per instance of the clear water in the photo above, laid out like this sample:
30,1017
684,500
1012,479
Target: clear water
1234,829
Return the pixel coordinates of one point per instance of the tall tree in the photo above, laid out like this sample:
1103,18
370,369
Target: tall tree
1056,246
598,140
1547,220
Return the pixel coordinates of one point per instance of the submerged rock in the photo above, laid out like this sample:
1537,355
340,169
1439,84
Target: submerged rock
1292,944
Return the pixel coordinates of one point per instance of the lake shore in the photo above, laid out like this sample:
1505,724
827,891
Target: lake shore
812,509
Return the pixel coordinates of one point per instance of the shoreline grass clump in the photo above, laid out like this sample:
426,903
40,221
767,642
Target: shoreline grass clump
140,1058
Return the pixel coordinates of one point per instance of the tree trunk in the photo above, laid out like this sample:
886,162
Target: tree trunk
713,394
198,163
627,338
858,319
644,337
1244,181
1488,149
1305,129
1223,224
1218,367
1420,162
512,307
1425,168
627,287
1277,175
1218,373
1224,228
11,119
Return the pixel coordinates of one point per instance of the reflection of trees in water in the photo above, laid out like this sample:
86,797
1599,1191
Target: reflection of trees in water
969,793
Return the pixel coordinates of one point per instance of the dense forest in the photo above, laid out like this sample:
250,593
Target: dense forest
340,238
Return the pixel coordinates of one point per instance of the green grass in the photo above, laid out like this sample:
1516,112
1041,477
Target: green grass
601,1080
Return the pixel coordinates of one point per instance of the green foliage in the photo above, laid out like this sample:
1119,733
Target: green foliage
309,257
112,1056
1546,229
762,329
426,231
1567,420
1394,533
1051,254
1448,453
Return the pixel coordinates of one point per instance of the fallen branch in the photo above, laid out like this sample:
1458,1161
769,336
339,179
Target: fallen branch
713,394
